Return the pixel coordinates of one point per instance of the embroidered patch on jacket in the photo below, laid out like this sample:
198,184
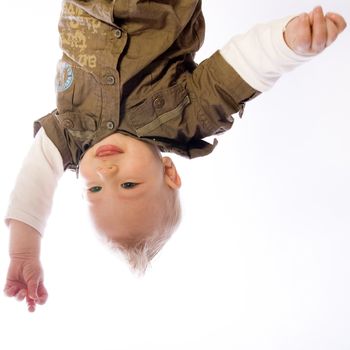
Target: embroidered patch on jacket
64,77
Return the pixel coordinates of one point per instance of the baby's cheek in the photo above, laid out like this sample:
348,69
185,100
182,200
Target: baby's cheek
85,170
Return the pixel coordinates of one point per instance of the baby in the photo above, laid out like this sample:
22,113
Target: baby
128,89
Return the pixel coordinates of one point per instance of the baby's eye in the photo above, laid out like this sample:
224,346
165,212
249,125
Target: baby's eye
95,189
128,185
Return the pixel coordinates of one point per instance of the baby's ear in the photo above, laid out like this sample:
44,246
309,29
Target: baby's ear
172,178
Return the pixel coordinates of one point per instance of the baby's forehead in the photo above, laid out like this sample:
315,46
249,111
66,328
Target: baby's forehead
128,222
132,205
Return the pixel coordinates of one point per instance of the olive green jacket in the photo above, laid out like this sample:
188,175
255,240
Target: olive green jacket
128,67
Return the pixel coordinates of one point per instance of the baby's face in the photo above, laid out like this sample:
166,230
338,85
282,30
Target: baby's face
123,180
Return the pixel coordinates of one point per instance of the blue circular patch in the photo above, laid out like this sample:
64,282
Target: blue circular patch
64,77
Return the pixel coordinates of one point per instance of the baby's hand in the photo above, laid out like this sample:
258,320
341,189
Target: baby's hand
25,280
309,34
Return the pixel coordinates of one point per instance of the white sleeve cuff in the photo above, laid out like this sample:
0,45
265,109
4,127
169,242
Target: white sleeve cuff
261,55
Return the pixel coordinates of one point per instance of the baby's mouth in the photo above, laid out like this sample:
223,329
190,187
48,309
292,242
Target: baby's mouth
107,150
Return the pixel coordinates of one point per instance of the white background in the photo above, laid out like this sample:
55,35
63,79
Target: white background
261,259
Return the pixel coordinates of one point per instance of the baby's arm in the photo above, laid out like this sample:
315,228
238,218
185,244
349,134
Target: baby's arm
29,208
264,53
251,63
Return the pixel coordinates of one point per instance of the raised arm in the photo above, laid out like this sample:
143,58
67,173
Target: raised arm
28,211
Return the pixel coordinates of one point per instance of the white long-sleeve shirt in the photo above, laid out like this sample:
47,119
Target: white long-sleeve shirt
259,56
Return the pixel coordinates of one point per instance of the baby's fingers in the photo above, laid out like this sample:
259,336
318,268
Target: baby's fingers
42,294
338,21
33,289
332,32
298,34
15,290
31,304
37,294
335,25
319,30
21,294
11,290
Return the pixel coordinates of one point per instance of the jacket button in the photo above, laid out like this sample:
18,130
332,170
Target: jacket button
118,33
158,102
110,125
110,80
68,124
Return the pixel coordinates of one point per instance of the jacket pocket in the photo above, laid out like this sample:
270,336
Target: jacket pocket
162,114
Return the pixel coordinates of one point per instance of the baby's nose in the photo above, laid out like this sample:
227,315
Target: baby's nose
107,170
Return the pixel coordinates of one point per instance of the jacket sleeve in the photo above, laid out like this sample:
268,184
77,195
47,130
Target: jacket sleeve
219,91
